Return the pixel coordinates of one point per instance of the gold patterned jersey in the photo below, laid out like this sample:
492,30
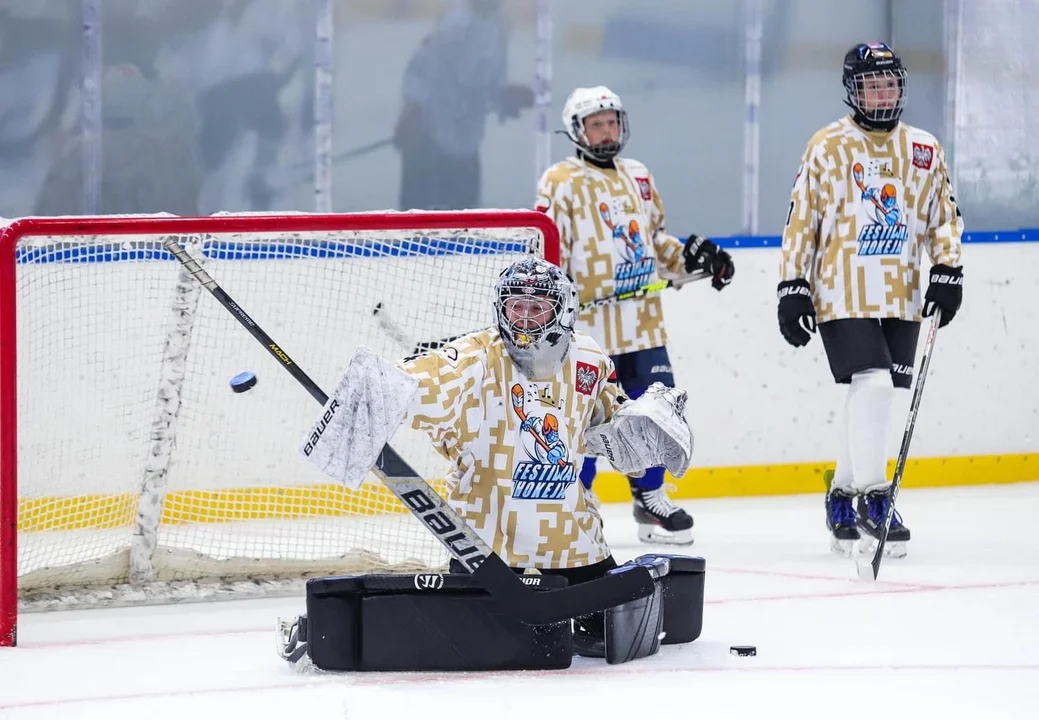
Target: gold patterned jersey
516,446
612,241
863,208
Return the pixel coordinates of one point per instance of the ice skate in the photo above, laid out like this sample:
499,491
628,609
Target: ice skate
842,521
873,505
659,519
292,642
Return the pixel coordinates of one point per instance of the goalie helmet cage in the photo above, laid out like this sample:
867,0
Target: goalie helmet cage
130,471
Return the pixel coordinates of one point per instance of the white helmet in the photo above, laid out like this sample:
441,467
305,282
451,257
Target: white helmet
588,101
535,306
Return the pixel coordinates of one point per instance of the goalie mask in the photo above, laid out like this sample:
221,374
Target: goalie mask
585,102
535,307
875,81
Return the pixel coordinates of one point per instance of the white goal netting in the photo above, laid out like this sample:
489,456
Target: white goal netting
138,466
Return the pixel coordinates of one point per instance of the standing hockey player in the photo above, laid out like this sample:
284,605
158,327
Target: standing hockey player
871,193
613,241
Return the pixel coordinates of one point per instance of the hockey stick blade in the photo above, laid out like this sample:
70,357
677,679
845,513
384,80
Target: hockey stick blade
867,566
508,589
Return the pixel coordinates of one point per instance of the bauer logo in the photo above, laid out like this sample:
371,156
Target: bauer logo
319,430
446,531
429,582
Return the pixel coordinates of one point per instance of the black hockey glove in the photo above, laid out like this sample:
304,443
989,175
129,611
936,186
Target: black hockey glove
944,291
703,255
796,312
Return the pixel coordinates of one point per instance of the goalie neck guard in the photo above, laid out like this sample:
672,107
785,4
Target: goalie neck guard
535,307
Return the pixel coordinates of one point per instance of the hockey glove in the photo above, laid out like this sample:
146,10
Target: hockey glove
703,255
796,312
945,291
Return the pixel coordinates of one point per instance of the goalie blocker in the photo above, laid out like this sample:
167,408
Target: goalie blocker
448,622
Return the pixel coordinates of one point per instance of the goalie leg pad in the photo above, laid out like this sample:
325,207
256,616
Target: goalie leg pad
672,615
425,622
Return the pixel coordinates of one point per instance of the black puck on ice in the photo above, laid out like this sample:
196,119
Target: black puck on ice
243,381
743,650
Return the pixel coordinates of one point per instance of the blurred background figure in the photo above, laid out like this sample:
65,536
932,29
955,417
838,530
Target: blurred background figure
249,63
150,159
36,77
453,81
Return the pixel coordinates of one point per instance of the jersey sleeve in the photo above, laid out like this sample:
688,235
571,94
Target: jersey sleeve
944,221
555,199
449,381
668,248
801,231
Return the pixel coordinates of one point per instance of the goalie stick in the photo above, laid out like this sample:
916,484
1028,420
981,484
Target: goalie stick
396,333
533,607
868,568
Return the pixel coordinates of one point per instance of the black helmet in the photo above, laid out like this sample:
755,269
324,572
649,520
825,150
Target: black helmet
872,75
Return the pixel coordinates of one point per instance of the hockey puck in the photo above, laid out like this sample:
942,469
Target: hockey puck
743,650
243,381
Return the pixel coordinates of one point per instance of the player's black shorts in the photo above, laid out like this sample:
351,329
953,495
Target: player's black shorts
854,345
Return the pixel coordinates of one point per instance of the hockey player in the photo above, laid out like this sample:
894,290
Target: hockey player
613,240
870,195
514,408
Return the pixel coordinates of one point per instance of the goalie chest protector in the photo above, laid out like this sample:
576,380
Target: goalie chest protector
426,622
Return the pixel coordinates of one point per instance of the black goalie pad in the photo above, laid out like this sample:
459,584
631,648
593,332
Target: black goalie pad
672,615
426,622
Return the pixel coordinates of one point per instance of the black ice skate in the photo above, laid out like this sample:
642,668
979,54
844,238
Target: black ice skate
842,521
873,507
659,519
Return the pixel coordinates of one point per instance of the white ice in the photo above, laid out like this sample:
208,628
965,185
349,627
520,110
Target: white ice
951,631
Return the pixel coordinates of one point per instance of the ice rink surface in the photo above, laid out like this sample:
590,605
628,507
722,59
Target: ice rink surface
951,631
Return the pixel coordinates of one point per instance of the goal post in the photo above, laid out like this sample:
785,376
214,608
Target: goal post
129,469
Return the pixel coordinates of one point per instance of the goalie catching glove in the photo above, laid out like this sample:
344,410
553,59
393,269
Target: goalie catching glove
363,413
649,432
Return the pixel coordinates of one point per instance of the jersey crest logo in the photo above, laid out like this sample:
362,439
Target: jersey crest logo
587,377
923,156
885,233
636,267
549,471
644,188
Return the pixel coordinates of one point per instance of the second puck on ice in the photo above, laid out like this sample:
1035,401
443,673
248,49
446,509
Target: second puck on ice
243,381
743,650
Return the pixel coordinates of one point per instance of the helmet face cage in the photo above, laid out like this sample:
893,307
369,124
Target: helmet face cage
535,307
602,151
878,95
875,81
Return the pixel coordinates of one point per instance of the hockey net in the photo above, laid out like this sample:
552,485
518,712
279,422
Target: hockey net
128,467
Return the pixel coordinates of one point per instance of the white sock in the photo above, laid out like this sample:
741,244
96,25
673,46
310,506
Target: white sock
869,414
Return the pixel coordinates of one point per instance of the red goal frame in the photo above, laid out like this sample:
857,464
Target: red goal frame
11,234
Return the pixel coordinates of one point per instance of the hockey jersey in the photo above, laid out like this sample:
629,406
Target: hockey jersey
516,446
612,241
864,206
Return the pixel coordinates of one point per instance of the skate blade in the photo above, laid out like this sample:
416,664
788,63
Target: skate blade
659,536
895,550
843,548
